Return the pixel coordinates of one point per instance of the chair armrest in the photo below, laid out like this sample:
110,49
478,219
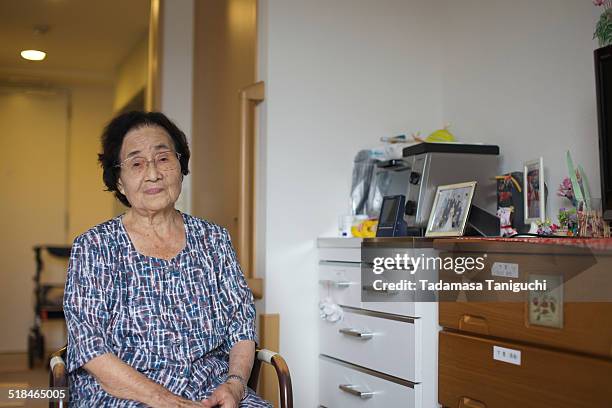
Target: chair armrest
282,372
58,375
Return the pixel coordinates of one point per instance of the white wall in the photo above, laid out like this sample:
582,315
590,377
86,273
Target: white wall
176,67
131,74
88,204
339,75
520,74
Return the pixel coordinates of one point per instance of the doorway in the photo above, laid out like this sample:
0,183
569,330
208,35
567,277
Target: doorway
34,142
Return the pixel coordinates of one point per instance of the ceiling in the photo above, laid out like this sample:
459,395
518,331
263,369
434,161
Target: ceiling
86,40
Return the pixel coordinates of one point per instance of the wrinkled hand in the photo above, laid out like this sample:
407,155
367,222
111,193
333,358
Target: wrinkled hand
175,401
183,403
227,395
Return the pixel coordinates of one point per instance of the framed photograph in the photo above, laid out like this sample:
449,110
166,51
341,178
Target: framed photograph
450,210
533,191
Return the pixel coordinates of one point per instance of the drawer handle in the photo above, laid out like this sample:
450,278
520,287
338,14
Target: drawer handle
367,288
337,284
474,324
466,402
363,335
352,389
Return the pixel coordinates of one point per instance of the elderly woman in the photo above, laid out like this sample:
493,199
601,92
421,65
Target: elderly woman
158,311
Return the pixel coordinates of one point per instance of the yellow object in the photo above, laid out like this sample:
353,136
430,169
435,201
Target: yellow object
441,135
365,229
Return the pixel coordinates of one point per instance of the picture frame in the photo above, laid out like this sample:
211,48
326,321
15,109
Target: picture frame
534,191
450,210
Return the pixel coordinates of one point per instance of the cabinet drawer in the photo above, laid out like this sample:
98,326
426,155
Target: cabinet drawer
340,254
579,326
385,345
340,387
409,309
341,282
469,376
587,327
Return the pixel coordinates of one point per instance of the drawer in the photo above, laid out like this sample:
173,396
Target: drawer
587,327
382,344
574,324
469,376
343,386
402,302
586,277
340,254
341,282
409,309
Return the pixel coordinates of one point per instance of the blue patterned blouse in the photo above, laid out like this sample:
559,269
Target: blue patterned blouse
173,320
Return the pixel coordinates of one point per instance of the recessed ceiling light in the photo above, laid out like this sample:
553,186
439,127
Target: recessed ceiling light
33,55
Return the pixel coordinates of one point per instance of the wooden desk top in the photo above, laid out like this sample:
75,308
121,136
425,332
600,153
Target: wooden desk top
529,245
398,242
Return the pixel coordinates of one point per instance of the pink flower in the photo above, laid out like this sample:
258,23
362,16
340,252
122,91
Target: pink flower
598,2
565,189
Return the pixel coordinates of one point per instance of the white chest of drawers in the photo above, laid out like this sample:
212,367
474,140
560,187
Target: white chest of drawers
381,354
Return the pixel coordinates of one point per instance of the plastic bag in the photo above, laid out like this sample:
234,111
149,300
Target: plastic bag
363,171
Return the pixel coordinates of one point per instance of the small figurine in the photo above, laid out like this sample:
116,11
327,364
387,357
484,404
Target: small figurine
546,228
510,203
505,221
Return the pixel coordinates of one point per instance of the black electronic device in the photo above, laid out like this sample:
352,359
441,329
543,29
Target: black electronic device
391,220
425,147
603,86
481,223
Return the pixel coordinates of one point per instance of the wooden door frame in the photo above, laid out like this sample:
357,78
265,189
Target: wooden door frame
155,51
250,96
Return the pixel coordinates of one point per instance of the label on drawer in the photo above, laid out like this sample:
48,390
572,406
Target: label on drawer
507,270
507,355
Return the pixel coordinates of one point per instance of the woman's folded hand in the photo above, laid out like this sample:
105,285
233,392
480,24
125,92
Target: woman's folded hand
178,402
226,395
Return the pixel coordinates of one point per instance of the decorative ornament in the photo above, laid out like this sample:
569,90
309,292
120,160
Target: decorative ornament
603,29
568,220
546,228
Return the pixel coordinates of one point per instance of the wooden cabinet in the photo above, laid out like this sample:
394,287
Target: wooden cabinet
493,353
470,376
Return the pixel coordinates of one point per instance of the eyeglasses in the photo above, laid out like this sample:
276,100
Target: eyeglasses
164,161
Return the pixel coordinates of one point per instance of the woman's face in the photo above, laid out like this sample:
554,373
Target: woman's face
147,186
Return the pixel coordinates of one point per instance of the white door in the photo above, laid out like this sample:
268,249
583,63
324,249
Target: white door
33,150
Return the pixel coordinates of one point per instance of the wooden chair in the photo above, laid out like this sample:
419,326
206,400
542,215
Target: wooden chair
58,376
